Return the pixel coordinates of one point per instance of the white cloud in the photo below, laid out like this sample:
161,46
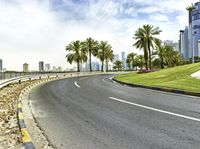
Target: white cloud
159,18
149,9
30,31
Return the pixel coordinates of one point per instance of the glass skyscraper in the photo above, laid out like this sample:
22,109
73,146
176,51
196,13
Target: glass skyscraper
196,29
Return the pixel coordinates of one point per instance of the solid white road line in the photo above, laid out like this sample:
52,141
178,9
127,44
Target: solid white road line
114,82
104,80
77,84
154,109
109,79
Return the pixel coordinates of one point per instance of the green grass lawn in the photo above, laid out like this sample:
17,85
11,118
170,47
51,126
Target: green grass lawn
176,78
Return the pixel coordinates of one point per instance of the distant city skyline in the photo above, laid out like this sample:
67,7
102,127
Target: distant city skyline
34,30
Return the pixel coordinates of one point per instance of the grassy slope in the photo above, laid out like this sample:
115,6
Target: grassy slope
177,77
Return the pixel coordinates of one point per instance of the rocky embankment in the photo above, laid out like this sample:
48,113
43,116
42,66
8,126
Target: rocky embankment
10,136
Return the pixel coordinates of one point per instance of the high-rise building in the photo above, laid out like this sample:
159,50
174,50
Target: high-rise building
196,29
182,44
98,67
25,67
54,68
191,35
186,46
59,68
171,43
95,66
41,66
116,57
47,67
168,42
123,56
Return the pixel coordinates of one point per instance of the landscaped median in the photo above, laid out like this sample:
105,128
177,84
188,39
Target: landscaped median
176,79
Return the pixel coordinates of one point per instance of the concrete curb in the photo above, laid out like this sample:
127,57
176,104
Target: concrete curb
184,92
26,139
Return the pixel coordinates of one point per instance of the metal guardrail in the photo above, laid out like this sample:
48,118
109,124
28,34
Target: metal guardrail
31,77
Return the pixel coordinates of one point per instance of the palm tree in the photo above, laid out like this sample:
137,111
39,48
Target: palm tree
140,61
128,61
109,56
118,65
173,58
131,57
161,52
91,46
190,9
103,46
141,44
167,56
78,54
149,33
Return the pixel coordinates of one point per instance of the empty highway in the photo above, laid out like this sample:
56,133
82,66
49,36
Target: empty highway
93,112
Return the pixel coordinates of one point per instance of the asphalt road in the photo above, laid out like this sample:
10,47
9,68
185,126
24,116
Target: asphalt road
97,113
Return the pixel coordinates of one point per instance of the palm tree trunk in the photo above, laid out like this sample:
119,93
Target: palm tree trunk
149,50
102,66
90,55
107,65
132,65
146,64
145,57
161,64
78,66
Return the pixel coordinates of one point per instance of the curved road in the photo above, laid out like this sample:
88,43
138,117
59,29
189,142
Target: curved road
94,112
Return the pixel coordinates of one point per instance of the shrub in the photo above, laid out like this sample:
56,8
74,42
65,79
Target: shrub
147,70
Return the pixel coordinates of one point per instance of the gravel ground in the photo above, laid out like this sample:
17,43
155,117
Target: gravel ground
10,136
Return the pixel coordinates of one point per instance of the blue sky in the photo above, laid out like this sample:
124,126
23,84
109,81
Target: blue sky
35,30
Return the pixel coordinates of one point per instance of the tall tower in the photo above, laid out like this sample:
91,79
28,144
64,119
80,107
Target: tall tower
123,55
25,67
196,29
41,66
